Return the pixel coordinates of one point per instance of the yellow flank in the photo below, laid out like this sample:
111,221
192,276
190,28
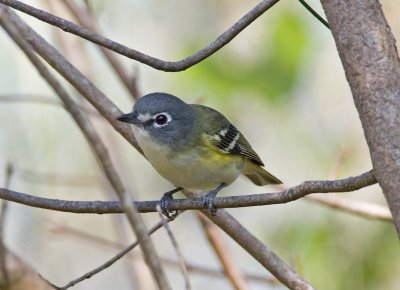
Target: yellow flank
202,167
211,155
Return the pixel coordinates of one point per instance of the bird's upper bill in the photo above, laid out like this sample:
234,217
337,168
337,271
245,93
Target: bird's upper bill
130,118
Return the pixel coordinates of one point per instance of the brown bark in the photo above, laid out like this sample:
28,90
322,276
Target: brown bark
368,52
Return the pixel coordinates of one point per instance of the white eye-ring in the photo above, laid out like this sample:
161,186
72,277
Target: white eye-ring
161,120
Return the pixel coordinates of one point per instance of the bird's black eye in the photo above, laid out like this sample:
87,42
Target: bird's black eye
161,119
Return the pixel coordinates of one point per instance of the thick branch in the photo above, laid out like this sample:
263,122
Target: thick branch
368,52
156,63
108,207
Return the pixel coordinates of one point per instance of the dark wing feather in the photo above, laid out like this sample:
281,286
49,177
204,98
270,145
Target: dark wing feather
224,136
230,140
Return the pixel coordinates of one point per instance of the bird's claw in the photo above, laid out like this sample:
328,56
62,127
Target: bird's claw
208,202
164,205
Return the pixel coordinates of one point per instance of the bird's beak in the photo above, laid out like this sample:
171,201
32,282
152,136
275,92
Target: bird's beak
129,118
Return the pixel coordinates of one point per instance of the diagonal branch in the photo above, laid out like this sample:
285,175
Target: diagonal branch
156,63
108,207
84,86
228,263
86,19
114,259
101,154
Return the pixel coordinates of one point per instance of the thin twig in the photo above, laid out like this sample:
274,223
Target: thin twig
192,268
314,13
338,162
231,269
30,98
358,208
3,214
113,259
86,19
181,258
40,99
156,63
108,207
101,154
69,180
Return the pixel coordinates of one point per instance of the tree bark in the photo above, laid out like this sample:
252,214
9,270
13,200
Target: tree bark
368,52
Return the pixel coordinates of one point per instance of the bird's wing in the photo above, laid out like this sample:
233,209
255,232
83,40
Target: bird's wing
224,137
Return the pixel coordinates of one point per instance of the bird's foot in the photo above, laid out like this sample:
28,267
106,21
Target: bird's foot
165,201
208,202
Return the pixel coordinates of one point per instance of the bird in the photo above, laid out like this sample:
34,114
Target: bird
193,146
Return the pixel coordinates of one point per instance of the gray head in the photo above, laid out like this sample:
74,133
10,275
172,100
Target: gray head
165,117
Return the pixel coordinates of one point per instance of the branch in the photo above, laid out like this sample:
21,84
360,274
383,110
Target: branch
261,252
86,19
5,281
358,208
113,259
42,100
109,207
84,86
181,259
101,153
156,63
192,268
371,62
221,249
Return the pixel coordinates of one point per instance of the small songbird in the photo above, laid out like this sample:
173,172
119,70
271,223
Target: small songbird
193,146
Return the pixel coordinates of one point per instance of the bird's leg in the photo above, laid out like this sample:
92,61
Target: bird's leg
208,199
165,200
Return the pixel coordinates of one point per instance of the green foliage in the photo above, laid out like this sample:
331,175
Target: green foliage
342,252
272,72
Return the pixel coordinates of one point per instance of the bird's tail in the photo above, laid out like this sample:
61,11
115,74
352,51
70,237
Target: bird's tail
258,175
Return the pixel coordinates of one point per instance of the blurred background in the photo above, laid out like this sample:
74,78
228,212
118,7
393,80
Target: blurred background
280,82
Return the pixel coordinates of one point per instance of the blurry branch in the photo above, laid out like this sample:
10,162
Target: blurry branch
156,63
192,268
112,260
71,47
29,98
261,252
338,162
358,208
84,86
86,19
39,99
22,276
5,281
231,269
69,180
108,207
181,258
100,152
